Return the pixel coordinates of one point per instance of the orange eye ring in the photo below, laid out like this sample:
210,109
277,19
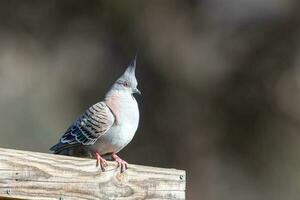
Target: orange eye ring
125,83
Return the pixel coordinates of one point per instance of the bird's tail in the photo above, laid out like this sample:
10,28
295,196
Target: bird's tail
60,148
70,150
56,148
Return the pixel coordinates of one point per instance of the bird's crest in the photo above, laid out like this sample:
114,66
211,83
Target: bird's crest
129,74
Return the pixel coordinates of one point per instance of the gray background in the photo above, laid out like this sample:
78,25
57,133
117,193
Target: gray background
220,82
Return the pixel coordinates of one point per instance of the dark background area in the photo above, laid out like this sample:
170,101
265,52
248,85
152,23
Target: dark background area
220,83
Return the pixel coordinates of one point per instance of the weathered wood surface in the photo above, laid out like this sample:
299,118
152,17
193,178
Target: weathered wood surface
31,175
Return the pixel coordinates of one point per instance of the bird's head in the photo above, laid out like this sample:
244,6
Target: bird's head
127,82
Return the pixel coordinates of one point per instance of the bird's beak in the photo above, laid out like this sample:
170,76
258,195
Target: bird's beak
137,91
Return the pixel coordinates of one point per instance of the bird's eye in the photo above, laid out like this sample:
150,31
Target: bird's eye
125,83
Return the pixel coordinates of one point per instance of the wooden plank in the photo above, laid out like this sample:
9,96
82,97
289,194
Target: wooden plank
32,175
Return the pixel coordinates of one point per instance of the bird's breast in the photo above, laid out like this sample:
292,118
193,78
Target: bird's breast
128,119
125,109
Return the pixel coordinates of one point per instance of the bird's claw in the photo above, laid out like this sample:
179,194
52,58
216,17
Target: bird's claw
101,162
121,163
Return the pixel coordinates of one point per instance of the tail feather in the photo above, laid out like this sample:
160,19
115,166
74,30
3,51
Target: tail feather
55,148
71,150
59,147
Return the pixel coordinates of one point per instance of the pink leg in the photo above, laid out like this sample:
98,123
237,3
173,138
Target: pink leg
101,161
122,163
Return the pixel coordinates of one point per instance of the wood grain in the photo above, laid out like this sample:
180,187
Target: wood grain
32,175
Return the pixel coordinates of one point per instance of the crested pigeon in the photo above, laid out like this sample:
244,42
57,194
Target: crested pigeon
106,127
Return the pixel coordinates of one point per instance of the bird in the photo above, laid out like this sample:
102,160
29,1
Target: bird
106,127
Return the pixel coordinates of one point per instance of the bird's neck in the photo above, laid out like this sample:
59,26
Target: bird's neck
118,95
118,100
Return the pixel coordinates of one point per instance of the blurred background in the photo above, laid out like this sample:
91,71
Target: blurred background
220,83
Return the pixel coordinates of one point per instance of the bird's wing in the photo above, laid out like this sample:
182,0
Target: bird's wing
94,123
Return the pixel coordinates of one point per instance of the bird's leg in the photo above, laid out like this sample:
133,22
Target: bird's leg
101,161
121,162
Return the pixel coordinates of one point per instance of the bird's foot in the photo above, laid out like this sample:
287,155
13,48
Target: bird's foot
121,163
101,161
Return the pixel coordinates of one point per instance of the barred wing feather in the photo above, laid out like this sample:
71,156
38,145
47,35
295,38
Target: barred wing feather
91,125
